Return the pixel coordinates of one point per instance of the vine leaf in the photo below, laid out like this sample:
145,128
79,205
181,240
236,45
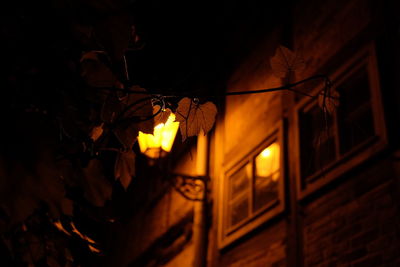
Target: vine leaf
93,249
124,168
286,61
97,188
90,242
95,72
195,118
57,223
82,236
112,106
161,117
328,100
96,132
141,108
136,111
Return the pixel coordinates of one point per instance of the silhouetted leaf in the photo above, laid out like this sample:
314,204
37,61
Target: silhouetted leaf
161,117
285,61
195,118
112,106
126,135
95,72
90,242
125,168
82,236
96,132
97,188
60,227
140,107
93,249
134,117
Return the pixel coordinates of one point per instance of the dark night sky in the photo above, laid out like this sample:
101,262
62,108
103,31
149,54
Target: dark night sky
196,44
188,45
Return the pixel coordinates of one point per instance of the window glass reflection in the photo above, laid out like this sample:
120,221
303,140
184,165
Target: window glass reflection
239,187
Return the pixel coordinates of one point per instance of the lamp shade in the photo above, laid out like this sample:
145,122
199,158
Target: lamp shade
160,142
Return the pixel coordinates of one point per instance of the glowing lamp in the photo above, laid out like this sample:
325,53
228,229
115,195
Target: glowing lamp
159,143
268,163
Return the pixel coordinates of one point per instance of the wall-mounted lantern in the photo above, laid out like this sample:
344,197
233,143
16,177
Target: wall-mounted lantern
159,143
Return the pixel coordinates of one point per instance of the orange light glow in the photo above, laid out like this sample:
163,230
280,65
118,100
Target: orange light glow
160,142
60,227
266,152
268,163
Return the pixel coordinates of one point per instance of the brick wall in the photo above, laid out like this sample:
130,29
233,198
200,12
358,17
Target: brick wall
247,121
355,220
322,29
266,248
356,224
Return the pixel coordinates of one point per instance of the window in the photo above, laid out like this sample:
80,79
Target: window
253,189
332,144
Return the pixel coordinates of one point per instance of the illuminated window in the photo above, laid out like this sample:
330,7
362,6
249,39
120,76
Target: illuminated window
253,189
266,176
332,144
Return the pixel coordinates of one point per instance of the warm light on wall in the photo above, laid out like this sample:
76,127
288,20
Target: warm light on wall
160,142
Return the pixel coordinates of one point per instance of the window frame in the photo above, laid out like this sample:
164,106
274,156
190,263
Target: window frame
227,235
343,163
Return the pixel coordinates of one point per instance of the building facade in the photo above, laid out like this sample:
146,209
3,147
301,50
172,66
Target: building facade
290,184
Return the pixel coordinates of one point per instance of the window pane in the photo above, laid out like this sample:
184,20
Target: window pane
317,141
355,119
239,182
267,174
239,210
239,195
